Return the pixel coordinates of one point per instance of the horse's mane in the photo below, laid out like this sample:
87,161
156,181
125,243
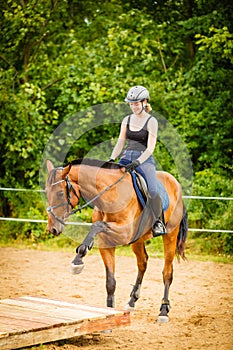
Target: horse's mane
85,161
95,163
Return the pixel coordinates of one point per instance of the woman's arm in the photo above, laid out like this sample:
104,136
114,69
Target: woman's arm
152,128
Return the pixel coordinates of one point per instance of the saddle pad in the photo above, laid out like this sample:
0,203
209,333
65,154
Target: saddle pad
160,190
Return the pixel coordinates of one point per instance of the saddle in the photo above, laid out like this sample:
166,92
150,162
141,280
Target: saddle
141,190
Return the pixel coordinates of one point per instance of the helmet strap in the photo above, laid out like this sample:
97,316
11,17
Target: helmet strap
143,107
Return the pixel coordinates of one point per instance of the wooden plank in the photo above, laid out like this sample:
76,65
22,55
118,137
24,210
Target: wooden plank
22,323
35,303
27,321
62,315
44,305
26,318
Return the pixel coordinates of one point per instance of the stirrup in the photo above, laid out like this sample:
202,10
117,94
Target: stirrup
158,228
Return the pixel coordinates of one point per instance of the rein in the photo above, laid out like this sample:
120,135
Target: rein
98,195
70,188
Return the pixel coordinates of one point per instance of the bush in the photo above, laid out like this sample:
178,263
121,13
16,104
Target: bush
212,214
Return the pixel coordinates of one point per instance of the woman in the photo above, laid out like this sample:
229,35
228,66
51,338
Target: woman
140,130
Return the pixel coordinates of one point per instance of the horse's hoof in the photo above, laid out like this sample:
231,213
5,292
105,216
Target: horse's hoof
76,269
129,308
163,319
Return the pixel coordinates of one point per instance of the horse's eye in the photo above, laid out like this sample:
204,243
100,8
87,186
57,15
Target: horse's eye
60,194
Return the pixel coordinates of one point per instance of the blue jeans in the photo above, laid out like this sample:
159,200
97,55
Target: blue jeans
146,169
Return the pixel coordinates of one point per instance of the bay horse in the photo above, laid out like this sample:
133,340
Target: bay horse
116,218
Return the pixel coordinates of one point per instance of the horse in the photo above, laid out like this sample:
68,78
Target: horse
116,217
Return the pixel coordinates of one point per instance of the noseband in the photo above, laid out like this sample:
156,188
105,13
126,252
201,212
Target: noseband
69,188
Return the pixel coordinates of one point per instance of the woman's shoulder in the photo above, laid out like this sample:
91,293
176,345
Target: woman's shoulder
152,120
152,123
125,120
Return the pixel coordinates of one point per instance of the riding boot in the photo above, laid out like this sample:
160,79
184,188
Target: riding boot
158,224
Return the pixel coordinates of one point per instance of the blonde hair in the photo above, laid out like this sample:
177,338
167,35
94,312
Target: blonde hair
148,108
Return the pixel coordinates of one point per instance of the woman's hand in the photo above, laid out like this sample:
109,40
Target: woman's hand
132,166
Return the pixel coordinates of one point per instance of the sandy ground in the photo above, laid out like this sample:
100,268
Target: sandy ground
201,316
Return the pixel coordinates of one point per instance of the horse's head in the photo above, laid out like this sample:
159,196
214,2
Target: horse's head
63,195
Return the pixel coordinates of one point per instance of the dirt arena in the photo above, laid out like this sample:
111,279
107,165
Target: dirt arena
201,316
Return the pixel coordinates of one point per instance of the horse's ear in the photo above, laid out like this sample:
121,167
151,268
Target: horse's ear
65,171
49,165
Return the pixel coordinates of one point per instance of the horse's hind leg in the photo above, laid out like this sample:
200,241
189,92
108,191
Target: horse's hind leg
169,241
139,250
108,256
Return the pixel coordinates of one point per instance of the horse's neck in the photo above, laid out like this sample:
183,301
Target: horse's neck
92,180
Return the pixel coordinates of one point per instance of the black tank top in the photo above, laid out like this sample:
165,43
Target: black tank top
137,140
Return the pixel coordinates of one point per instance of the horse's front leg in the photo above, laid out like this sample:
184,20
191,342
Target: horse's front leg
169,241
139,250
108,257
77,264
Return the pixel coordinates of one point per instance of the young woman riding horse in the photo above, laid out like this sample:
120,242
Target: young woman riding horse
116,217
140,130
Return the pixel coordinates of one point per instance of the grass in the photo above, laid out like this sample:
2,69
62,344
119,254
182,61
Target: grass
195,248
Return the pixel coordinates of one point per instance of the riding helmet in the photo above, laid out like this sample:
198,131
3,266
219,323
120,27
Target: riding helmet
137,93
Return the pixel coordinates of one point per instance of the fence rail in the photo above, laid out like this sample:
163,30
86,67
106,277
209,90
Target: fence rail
88,224
20,189
44,221
43,191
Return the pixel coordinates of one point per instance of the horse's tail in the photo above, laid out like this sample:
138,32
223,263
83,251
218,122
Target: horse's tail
182,235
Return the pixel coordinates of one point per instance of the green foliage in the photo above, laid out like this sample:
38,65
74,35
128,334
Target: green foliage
60,57
219,43
25,205
213,214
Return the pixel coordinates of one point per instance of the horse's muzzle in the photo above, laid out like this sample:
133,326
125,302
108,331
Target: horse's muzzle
55,232
54,227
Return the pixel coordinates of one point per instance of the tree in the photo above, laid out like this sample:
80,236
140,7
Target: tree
58,58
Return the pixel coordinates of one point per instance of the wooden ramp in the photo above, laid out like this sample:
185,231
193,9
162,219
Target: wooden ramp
28,321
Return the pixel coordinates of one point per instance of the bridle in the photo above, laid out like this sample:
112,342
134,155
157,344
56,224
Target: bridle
70,188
